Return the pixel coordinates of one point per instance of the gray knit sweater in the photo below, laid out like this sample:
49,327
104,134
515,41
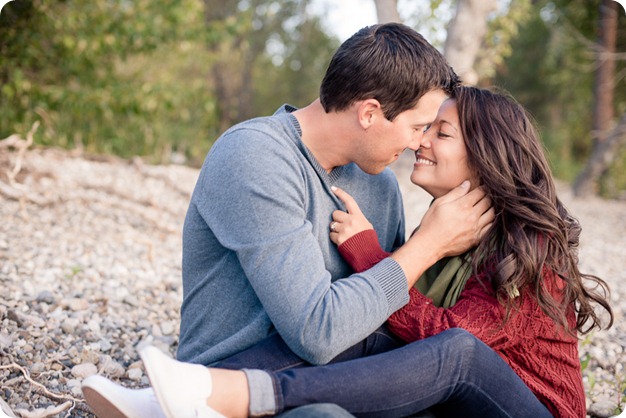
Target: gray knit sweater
257,257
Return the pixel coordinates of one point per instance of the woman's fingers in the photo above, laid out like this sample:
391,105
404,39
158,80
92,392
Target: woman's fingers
348,201
346,224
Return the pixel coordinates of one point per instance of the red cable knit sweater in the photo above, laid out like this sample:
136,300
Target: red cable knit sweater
545,358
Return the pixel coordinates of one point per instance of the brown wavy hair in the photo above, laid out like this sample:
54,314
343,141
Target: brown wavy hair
533,230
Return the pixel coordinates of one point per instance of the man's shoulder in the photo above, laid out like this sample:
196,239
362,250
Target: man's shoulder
279,127
256,145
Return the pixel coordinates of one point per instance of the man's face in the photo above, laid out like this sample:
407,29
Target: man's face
386,140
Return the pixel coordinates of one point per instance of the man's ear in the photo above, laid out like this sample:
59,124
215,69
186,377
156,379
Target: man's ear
368,111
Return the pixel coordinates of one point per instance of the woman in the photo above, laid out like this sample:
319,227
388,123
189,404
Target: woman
504,343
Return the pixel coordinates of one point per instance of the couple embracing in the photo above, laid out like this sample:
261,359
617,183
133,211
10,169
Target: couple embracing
300,287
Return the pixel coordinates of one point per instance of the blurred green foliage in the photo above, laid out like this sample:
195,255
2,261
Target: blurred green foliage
131,78
163,79
550,70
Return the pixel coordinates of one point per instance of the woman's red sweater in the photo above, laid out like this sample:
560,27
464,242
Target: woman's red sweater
542,354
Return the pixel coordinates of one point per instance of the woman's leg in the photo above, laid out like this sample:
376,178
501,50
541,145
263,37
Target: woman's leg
453,369
273,354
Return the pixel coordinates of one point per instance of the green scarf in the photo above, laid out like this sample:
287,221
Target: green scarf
445,280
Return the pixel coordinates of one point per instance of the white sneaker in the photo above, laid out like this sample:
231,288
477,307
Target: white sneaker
110,400
181,388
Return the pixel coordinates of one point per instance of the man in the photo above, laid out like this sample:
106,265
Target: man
257,258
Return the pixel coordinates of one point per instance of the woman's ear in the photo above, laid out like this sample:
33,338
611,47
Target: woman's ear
368,110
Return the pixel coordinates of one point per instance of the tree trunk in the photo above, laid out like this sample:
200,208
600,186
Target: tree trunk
603,91
603,155
387,11
603,114
466,32
224,78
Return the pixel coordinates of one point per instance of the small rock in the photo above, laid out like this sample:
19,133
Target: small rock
80,371
13,316
167,328
69,325
156,331
602,408
105,345
136,365
73,352
72,383
112,368
37,368
93,326
144,323
89,356
77,391
46,297
5,340
75,304
131,300
31,321
134,374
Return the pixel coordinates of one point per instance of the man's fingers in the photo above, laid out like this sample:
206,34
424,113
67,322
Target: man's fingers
348,201
455,193
483,205
487,217
484,230
477,195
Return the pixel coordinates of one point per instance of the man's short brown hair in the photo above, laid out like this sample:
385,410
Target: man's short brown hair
391,63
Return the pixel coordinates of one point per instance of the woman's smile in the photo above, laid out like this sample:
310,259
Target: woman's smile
421,160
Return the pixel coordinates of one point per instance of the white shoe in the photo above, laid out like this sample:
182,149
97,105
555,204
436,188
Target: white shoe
181,388
110,400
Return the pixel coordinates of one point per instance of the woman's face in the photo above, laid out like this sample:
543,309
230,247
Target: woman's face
441,161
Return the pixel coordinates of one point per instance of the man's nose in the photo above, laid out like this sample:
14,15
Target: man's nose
416,142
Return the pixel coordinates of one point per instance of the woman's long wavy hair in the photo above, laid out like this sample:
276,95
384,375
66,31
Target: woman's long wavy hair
532,230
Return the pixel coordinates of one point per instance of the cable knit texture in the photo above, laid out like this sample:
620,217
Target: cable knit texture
542,355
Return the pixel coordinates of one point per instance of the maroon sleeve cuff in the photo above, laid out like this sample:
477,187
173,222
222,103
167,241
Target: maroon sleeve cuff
362,251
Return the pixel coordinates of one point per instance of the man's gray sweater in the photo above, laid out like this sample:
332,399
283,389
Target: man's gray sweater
257,257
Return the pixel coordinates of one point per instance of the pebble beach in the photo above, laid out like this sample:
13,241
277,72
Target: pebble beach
90,271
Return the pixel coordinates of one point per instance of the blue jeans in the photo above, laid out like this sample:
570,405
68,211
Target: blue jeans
317,411
451,374
272,354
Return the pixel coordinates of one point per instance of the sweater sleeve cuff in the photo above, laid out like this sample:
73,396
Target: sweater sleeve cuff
392,280
362,251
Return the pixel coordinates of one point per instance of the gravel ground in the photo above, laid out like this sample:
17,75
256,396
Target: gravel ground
90,270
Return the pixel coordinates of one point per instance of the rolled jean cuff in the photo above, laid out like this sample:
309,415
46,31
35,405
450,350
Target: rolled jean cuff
262,394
